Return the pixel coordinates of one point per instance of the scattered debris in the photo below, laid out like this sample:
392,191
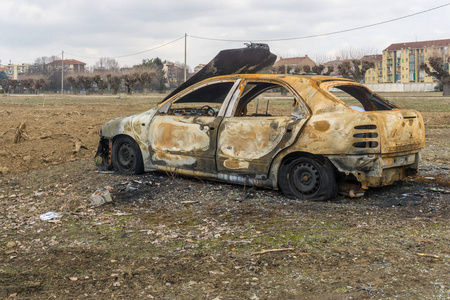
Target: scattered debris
101,196
369,289
428,255
20,133
439,190
273,250
49,216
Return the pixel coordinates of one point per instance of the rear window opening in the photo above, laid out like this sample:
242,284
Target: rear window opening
361,99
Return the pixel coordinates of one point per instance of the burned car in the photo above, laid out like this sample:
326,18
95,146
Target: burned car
310,136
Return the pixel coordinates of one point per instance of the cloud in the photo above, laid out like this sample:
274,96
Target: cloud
114,28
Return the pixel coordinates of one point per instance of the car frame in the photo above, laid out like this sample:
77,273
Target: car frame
322,146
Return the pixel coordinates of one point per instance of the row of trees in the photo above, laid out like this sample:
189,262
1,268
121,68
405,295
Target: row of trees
135,79
318,69
151,74
31,84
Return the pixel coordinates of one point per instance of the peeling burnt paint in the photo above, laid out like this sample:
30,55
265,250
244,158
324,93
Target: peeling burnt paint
178,134
251,138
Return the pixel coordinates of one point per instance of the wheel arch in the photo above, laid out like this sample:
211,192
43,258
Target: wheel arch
320,181
286,157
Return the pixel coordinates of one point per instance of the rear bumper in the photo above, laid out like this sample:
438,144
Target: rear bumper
378,169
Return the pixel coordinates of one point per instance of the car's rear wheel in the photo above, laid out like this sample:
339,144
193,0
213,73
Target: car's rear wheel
126,156
307,178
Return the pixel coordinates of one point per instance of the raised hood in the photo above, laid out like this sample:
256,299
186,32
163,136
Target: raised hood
256,58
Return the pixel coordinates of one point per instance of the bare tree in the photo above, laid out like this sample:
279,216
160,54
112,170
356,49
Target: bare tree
318,69
105,64
329,70
307,68
281,70
13,84
86,82
101,82
356,69
147,78
130,79
73,81
352,53
49,67
114,81
39,83
27,84
437,63
5,85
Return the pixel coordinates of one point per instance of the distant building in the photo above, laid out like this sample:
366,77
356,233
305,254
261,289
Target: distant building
334,65
173,73
290,64
198,68
73,65
374,75
401,62
13,71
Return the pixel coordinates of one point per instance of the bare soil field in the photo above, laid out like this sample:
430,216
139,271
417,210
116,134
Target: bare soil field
172,237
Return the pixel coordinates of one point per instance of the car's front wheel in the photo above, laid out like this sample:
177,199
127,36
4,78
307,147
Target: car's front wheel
307,178
126,156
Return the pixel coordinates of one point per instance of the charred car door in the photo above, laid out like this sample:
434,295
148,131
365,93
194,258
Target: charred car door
183,132
264,119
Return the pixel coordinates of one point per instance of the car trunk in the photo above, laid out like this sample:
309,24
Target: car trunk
396,130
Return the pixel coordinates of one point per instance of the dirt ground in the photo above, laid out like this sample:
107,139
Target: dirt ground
172,237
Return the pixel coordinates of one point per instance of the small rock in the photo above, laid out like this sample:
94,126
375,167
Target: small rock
26,158
11,245
4,170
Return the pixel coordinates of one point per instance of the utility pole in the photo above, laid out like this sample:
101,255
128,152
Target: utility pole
62,73
185,63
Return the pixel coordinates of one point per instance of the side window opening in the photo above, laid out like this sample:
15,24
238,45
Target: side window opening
265,99
204,101
361,99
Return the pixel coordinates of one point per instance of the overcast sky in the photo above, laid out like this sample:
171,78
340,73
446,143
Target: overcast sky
89,29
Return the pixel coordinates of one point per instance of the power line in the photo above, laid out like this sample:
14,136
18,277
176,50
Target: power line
322,34
132,54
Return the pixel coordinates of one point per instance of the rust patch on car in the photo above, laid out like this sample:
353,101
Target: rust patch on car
321,125
175,160
174,135
235,164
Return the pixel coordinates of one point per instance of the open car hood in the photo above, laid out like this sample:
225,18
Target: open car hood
256,58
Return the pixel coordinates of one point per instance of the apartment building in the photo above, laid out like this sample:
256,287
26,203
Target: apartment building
401,62
73,65
374,75
13,71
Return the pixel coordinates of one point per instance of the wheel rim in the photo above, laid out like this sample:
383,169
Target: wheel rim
126,156
305,178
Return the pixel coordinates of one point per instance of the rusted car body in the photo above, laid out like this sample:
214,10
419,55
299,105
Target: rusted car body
220,128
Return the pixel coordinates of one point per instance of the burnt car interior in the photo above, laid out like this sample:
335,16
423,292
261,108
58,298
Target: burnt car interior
361,99
257,97
204,101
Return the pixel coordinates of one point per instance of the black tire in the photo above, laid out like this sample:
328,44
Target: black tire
126,156
307,178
